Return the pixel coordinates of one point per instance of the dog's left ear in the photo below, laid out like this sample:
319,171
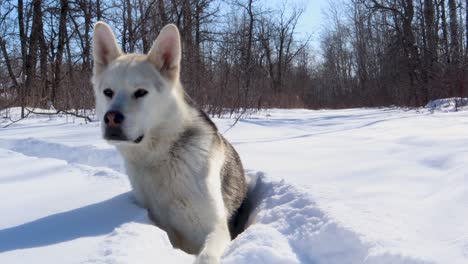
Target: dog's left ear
165,53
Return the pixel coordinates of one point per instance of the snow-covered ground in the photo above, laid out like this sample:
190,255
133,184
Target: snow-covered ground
334,186
453,104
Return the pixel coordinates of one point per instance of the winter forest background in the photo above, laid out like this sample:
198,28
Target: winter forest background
240,54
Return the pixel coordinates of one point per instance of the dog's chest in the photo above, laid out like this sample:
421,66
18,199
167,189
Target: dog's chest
167,187
176,196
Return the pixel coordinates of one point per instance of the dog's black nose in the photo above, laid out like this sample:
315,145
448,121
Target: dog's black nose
113,118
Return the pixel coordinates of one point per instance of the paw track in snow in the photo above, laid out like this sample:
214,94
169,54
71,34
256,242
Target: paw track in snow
87,155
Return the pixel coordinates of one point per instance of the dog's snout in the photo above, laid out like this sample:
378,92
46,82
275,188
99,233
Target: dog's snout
113,118
113,129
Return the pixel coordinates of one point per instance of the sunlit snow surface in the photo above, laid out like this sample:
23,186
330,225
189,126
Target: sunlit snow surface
333,186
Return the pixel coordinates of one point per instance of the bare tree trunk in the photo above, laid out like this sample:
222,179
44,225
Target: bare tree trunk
36,32
60,49
162,11
430,55
191,71
124,27
143,29
411,49
444,32
454,43
44,89
23,41
98,10
248,57
129,22
431,33
87,10
6,57
70,76
466,30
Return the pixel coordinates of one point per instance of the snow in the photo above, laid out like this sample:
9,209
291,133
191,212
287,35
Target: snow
332,186
448,104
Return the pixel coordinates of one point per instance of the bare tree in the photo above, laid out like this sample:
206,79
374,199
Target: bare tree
454,37
240,55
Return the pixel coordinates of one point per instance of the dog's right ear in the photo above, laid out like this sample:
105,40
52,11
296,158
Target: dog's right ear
105,48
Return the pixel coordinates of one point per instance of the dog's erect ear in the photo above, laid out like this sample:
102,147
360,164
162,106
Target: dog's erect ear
165,53
105,48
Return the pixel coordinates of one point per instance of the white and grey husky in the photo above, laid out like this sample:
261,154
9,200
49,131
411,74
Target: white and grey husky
180,167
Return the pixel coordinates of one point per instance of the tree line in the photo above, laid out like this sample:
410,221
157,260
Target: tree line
236,54
243,54
393,52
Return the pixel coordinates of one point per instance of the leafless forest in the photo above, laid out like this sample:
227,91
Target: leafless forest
240,54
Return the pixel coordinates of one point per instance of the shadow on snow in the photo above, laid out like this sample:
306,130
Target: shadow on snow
91,220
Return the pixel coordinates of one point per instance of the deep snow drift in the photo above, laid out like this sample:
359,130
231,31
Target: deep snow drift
341,186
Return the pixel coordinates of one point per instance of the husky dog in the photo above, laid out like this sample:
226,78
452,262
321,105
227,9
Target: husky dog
180,167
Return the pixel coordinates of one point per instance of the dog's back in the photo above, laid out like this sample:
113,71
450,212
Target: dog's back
233,183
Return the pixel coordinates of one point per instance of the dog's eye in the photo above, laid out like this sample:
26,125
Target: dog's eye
108,92
140,93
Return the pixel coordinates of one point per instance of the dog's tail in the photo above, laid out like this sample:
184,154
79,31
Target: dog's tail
240,220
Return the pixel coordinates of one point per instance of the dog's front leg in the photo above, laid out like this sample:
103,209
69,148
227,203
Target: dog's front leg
215,244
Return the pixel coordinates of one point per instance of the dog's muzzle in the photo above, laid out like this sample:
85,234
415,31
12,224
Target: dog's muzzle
113,130
114,133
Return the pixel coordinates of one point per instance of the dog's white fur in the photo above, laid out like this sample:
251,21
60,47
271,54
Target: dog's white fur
185,200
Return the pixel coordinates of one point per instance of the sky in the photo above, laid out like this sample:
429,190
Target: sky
312,19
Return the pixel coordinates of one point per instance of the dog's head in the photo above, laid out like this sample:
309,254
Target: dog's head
134,91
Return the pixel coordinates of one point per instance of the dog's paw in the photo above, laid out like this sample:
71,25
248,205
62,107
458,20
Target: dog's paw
204,258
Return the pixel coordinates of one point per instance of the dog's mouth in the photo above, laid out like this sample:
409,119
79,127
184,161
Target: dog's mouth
117,137
138,139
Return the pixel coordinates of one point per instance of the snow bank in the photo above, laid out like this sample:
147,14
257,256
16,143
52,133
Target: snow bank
448,104
287,226
87,154
138,241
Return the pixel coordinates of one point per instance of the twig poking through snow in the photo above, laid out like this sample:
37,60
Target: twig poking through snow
16,121
86,118
235,121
